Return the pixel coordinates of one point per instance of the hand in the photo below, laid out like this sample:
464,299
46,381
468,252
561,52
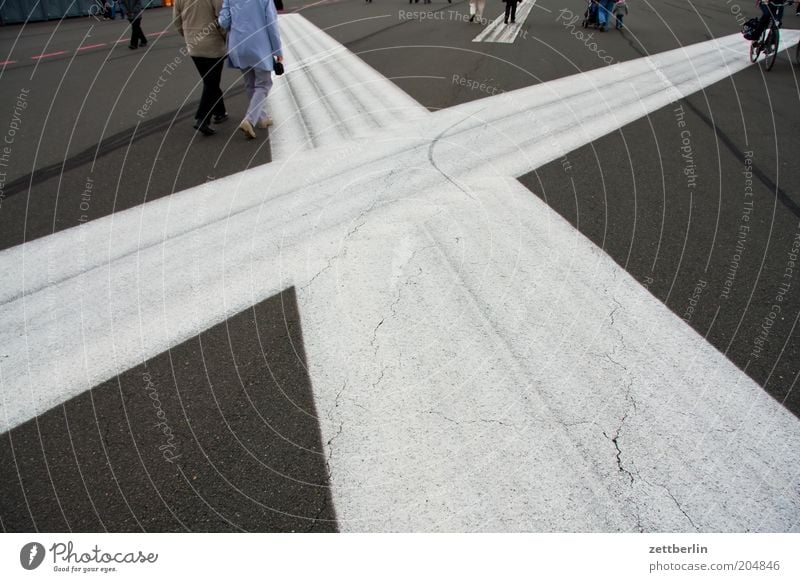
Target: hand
279,59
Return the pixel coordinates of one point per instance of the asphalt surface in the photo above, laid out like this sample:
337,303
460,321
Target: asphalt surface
630,193
217,434
81,152
81,124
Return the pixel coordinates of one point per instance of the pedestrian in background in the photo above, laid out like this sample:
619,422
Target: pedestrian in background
511,10
620,10
196,22
605,9
254,44
134,9
476,8
118,8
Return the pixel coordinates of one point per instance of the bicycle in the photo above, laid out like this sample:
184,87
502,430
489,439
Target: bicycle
797,54
769,40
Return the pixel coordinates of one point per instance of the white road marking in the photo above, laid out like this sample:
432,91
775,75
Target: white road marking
328,94
499,31
477,363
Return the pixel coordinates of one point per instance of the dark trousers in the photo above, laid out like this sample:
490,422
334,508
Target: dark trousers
767,13
211,102
137,35
511,10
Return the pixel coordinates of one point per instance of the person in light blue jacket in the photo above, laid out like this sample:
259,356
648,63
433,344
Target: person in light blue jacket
254,44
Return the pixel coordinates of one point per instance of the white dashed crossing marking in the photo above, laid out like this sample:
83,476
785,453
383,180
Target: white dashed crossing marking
499,31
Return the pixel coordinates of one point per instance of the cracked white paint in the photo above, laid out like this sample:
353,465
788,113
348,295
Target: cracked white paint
478,364
455,430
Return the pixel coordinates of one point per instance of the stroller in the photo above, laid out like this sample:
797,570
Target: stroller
590,16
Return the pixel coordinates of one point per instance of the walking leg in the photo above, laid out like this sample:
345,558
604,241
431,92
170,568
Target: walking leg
204,66
215,77
262,83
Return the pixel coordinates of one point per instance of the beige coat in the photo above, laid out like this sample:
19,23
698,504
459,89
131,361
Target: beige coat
196,22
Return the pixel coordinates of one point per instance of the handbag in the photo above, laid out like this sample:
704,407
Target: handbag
751,29
278,67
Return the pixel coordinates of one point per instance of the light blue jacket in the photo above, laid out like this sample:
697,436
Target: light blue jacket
253,38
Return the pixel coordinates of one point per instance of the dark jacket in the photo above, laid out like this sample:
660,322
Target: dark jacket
133,8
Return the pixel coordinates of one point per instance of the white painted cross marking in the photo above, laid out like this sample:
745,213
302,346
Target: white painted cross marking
499,31
328,94
477,363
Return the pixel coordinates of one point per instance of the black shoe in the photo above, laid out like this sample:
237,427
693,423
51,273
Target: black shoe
130,46
144,43
204,129
221,118
472,18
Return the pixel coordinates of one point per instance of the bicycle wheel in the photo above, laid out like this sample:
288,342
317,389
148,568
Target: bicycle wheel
771,48
755,50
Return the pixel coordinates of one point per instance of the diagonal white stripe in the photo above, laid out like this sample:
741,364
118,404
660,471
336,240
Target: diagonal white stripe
499,359
328,94
518,131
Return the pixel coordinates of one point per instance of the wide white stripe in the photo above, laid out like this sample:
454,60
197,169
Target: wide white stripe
452,330
499,31
518,131
328,94
480,365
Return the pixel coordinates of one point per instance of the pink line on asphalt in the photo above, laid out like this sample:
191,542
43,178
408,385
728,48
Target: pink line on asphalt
3,63
147,35
81,48
44,56
91,46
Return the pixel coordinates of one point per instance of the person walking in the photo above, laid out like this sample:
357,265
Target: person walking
476,8
196,22
134,9
605,9
511,10
118,8
620,10
254,45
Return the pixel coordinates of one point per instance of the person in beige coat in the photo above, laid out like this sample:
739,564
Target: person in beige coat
196,22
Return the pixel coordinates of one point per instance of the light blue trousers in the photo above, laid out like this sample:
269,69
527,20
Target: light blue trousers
257,85
604,11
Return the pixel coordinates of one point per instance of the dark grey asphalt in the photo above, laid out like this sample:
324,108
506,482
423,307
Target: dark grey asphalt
81,123
627,192
217,434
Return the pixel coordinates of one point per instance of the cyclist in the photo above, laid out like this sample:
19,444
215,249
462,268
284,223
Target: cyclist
770,9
